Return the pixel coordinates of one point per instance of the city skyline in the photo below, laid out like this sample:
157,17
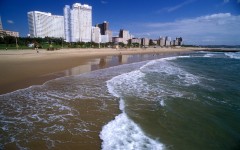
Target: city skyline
198,22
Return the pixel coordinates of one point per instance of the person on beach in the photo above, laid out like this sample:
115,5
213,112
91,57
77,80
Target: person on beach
36,48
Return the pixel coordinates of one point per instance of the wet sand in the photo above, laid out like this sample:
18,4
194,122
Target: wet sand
23,68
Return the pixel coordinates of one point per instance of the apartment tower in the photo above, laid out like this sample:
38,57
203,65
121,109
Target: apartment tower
42,24
78,23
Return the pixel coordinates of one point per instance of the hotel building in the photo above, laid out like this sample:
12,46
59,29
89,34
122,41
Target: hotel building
145,42
105,32
124,34
103,27
78,23
42,24
96,36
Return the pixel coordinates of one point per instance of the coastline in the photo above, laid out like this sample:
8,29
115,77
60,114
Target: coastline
23,68
55,95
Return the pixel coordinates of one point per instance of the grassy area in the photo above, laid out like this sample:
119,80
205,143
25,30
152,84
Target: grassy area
13,47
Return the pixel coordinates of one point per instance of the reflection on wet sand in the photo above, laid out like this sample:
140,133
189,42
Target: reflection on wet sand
102,62
109,61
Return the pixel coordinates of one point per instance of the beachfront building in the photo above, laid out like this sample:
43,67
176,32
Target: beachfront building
117,40
167,41
109,34
124,34
104,39
42,24
145,42
7,32
178,41
104,27
162,41
78,23
96,36
135,40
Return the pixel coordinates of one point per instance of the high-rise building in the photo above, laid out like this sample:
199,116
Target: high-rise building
109,33
78,23
145,41
67,23
104,38
178,41
1,27
125,35
167,41
96,36
103,27
135,40
162,41
42,24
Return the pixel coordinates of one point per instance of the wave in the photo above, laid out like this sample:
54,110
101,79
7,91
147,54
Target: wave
124,133
164,67
235,55
209,55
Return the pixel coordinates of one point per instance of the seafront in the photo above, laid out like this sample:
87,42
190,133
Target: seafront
23,68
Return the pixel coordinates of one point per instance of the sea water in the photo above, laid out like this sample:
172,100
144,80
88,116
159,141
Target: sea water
182,103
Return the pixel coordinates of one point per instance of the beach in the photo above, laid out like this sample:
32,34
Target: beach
26,72
119,99
23,68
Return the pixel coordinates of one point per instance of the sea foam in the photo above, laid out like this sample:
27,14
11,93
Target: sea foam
233,55
123,134
165,67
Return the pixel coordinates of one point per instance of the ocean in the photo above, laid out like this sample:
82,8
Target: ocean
184,102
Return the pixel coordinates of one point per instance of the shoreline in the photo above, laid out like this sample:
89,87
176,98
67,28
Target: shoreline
23,68
89,108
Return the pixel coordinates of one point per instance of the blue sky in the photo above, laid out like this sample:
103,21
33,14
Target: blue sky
197,21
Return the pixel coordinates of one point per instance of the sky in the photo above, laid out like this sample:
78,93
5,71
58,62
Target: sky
198,22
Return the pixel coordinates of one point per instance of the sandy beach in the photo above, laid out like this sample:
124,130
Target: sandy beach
23,68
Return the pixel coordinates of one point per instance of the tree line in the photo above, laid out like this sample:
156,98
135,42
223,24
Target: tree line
11,42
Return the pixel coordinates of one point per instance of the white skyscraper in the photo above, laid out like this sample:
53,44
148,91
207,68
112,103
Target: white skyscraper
96,35
78,23
42,24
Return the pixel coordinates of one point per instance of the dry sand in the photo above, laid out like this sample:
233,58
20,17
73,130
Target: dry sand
23,68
